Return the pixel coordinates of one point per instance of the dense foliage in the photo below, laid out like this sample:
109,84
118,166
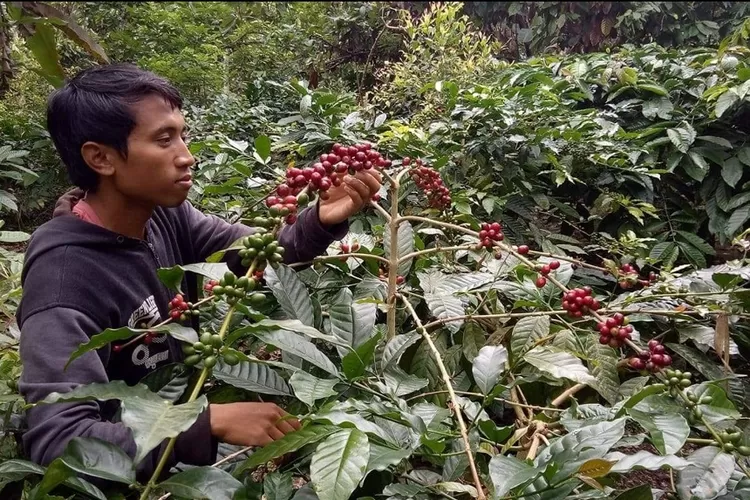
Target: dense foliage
548,299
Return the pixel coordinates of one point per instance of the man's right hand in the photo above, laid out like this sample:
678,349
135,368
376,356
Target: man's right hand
250,424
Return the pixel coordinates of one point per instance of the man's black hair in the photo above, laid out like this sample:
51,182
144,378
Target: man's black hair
97,105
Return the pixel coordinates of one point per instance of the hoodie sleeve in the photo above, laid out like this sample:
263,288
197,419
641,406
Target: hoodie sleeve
48,338
302,241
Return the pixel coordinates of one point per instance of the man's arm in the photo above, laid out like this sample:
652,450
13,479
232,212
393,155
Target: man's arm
47,340
302,241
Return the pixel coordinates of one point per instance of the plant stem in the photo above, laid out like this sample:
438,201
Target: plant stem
566,394
508,402
193,396
492,316
393,225
340,256
454,399
700,441
381,210
433,222
569,259
434,250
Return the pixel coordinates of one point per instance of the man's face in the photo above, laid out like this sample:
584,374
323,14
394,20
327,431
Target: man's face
157,169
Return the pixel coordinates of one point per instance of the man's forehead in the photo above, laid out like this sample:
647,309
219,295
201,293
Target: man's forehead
155,112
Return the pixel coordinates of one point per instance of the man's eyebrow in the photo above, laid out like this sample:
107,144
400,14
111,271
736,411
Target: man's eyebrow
169,128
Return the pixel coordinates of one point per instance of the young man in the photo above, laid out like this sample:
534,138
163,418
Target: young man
121,135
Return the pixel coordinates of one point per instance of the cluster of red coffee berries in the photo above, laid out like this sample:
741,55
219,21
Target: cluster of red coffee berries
544,270
430,182
350,248
579,301
180,310
321,176
629,277
209,286
490,232
614,331
652,360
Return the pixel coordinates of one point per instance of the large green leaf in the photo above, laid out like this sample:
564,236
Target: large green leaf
707,475
443,305
339,463
508,472
110,335
396,347
644,460
737,219
291,293
154,421
355,363
382,457
253,377
298,346
309,389
404,245
99,458
168,381
289,325
172,276
278,486
487,367
527,331
559,364
201,483
263,147
642,492
16,470
289,443
668,432
725,101
117,389
400,383
603,363
352,323
720,408
40,39
731,171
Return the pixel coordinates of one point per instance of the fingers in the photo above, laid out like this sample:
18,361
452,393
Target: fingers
354,195
372,178
275,433
284,426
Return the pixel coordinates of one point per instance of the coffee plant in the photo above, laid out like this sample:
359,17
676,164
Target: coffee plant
427,357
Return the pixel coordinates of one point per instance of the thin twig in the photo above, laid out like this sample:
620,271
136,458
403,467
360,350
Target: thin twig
566,394
325,258
381,210
502,400
452,394
433,250
393,225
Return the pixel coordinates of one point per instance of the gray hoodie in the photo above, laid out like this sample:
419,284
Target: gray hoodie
79,279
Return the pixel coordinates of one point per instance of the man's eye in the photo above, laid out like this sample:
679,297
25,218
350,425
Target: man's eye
164,141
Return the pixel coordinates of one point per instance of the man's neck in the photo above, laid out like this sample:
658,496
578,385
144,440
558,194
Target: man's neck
119,214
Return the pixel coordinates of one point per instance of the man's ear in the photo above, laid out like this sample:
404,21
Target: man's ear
99,157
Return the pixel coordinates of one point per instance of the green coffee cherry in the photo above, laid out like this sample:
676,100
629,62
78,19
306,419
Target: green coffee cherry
303,199
242,283
210,362
216,341
192,360
188,350
685,382
231,358
728,447
674,381
206,338
199,346
707,400
257,299
744,450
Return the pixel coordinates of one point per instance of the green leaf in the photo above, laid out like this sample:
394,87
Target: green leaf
356,362
289,443
725,101
117,389
603,364
681,138
339,463
278,486
731,171
400,383
382,457
668,431
291,293
508,472
642,492
644,460
16,469
473,340
720,408
14,236
559,364
289,325
99,458
661,250
494,433
202,482
396,347
352,323
527,331
57,472
737,220
253,377
168,381
298,346
697,242
42,44
693,254
309,389
154,421
263,147
443,306
180,332
404,245
172,276
651,87
707,475
488,365
744,155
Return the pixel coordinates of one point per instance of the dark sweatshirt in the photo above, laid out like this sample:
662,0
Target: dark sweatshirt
79,279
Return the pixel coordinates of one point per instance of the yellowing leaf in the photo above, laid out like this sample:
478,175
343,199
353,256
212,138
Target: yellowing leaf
596,467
